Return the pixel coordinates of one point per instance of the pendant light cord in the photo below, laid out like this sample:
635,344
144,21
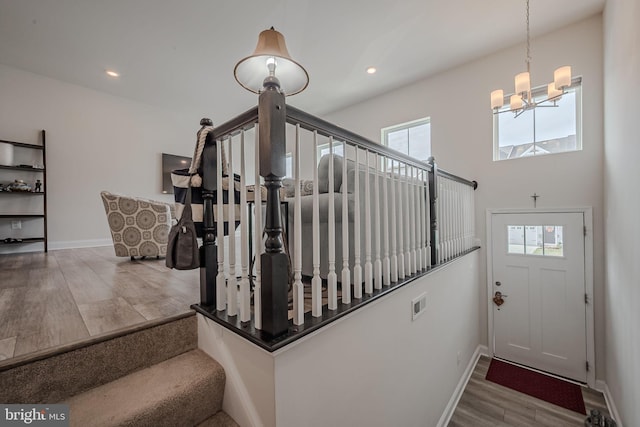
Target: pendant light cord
528,41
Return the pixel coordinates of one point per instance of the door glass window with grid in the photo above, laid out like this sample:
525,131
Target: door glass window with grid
543,130
412,138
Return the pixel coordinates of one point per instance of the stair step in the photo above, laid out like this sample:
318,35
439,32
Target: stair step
56,374
182,391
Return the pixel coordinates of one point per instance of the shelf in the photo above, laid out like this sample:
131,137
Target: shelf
22,168
16,207
23,145
33,193
24,240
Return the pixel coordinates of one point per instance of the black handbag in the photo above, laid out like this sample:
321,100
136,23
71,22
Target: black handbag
182,247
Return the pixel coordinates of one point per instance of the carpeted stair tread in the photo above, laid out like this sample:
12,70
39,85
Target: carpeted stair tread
221,419
182,391
60,373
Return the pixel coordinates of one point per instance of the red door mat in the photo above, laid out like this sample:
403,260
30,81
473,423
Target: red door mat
549,389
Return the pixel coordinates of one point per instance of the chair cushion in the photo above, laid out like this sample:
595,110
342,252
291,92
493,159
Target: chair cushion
139,227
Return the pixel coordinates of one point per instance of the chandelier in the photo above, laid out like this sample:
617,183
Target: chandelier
522,100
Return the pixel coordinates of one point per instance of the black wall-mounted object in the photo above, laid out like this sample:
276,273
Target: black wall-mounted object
172,162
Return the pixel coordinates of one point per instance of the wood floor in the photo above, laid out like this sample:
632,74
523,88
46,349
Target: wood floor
65,296
487,404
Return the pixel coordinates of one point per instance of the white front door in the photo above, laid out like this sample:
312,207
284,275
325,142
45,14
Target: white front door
539,308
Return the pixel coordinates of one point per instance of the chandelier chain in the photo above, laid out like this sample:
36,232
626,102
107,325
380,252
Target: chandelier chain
528,41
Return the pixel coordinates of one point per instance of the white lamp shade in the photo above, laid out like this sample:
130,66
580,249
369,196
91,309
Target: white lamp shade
515,102
562,77
552,92
251,71
497,98
523,83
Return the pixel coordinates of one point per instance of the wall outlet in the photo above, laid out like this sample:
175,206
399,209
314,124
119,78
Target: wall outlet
16,225
418,305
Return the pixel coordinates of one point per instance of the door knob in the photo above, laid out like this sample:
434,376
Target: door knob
498,298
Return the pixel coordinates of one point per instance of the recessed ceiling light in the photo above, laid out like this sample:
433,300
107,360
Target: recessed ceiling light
112,73
371,70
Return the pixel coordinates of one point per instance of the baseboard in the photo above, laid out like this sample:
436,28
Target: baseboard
457,392
73,244
608,398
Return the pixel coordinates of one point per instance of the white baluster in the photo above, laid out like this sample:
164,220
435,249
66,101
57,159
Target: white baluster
460,210
332,277
393,261
377,264
221,283
257,235
451,219
441,224
418,222
232,284
357,268
446,217
346,274
298,287
424,218
406,209
245,297
400,227
386,273
316,282
412,219
427,220
368,267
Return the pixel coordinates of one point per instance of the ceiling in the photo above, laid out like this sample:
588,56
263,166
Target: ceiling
180,55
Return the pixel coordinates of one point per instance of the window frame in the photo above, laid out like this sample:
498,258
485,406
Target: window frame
384,133
576,87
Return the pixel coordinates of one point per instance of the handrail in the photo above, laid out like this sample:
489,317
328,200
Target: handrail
456,178
236,124
325,128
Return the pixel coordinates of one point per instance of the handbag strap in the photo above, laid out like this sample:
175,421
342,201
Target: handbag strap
197,155
186,211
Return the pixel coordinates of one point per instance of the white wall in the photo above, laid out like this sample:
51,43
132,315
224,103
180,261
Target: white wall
374,367
462,130
380,368
95,142
622,204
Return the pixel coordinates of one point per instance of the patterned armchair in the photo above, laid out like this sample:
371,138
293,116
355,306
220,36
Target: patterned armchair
139,227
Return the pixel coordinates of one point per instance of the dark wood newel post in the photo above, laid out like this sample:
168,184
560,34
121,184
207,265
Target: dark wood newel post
433,210
209,248
274,262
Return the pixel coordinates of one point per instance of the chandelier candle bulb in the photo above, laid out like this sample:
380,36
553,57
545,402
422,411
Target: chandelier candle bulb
515,102
553,93
562,77
497,98
523,83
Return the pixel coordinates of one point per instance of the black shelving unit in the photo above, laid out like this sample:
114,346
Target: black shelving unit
6,196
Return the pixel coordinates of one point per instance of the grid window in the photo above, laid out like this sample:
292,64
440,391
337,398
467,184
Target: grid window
542,130
412,138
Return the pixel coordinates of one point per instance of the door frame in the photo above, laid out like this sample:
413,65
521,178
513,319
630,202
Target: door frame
588,277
